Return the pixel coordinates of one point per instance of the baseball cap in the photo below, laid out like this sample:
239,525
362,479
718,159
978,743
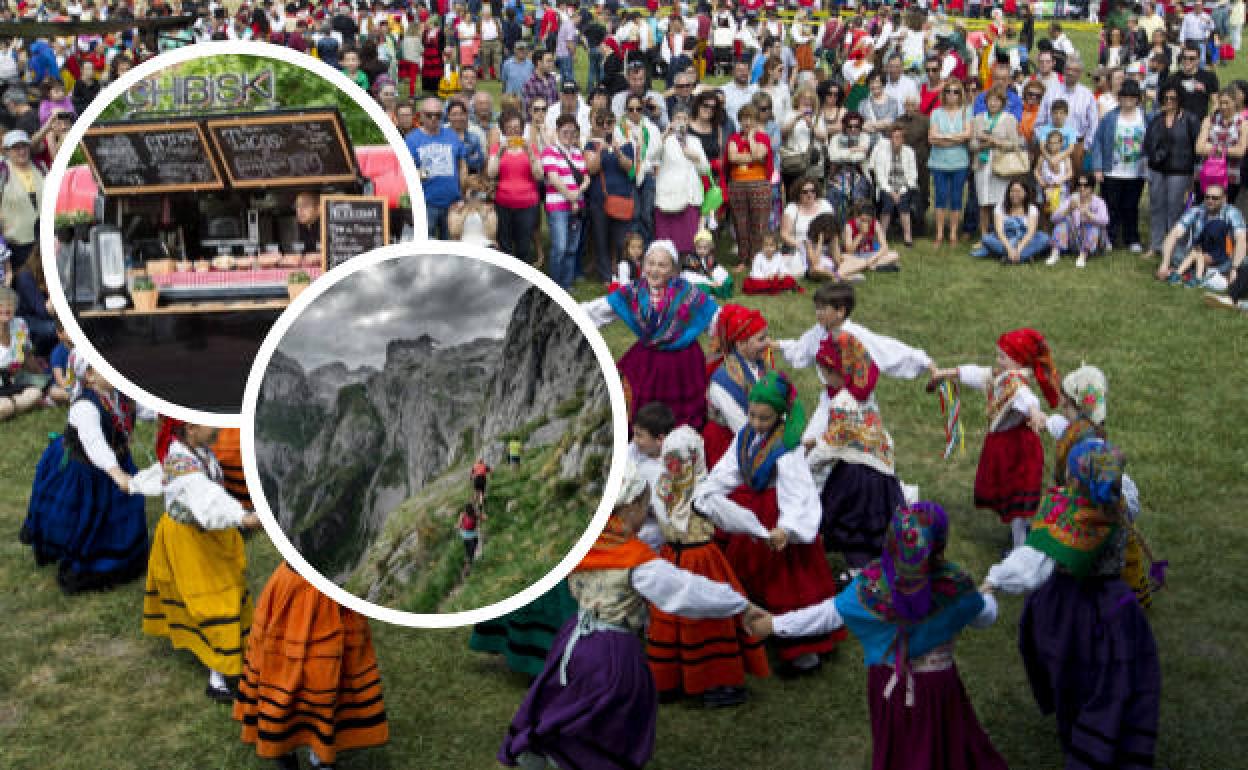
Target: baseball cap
16,137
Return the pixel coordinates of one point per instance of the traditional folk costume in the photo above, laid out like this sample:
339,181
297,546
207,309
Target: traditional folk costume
78,516
852,459
761,484
310,675
731,378
524,637
595,705
196,592
907,608
708,657
890,356
666,364
1086,643
1010,476
229,454
1087,389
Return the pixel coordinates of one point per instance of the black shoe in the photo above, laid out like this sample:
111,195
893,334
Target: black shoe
219,694
723,697
288,761
894,268
790,669
671,696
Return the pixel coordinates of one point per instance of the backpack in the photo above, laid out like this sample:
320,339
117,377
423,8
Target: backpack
467,522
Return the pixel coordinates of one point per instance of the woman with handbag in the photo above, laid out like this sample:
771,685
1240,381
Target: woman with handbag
803,132
678,184
610,196
1117,160
1170,151
998,156
1223,140
516,168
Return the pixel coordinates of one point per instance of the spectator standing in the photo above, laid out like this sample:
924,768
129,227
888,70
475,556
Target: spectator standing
543,83
1170,150
517,169
1081,103
567,179
440,156
1196,83
517,69
1118,162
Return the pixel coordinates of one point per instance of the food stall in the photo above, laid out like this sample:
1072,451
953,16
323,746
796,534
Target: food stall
200,231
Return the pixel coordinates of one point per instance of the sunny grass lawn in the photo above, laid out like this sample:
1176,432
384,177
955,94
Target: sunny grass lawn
80,687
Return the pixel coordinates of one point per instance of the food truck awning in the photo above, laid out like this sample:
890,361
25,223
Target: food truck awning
378,164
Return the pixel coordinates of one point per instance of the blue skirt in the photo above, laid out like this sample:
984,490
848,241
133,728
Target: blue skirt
858,503
606,716
79,518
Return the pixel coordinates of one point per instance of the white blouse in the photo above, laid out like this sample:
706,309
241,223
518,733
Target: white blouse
892,357
796,496
679,592
1024,402
777,265
724,407
650,468
205,500
85,417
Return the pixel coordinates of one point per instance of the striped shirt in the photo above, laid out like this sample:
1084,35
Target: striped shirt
555,161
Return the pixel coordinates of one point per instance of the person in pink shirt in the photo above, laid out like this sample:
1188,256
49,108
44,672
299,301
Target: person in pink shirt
566,182
516,169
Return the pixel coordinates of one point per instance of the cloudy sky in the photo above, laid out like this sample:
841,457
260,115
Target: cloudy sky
453,299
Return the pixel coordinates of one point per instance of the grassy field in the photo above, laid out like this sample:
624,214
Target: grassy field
80,687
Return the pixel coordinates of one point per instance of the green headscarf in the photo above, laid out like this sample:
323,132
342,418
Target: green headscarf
777,391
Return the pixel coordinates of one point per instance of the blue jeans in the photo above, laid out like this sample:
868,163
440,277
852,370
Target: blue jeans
947,187
564,65
565,239
1038,245
595,71
438,228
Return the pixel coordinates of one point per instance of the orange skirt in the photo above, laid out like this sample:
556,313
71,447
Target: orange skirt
310,675
693,656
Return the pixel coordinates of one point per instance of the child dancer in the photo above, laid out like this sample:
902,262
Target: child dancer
772,271
86,504
708,657
702,270
1087,646
650,427
196,592
775,549
1010,476
851,455
834,303
740,334
667,314
310,677
595,704
908,607
230,457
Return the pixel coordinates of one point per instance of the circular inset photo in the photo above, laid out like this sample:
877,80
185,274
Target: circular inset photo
433,433
205,190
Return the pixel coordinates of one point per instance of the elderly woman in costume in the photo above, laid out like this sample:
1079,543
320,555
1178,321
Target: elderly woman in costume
310,677
667,313
741,339
197,592
1087,646
595,704
908,607
761,492
86,503
699,657
851,454
1010,477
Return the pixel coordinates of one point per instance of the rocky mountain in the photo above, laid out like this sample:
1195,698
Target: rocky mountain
339,449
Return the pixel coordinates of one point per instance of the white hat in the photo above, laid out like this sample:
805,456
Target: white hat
15,137
1088,388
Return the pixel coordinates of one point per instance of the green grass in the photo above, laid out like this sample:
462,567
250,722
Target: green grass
81,688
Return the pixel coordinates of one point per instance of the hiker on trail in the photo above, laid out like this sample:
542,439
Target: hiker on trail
514,447
480,473
470,530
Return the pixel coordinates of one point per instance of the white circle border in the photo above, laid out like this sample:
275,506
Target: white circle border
611,491
114,91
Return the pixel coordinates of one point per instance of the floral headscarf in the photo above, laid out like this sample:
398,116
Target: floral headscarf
845,355
684,465
1076,522
1088,389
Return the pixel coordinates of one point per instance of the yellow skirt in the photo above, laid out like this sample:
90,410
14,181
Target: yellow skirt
197,593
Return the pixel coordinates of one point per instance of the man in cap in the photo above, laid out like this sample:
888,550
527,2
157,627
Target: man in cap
517,69
638,86
20,197
569,104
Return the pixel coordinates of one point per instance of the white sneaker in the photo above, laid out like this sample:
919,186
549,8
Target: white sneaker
1081,262
1053,260
1137,248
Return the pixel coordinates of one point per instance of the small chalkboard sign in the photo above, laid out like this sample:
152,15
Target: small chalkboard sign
352,225
286,149
138,158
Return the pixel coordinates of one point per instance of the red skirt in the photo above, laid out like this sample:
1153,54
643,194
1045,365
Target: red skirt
1010,476
716,439
769,285
782,581
693,656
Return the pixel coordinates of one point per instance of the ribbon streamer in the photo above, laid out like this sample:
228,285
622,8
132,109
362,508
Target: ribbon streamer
951,411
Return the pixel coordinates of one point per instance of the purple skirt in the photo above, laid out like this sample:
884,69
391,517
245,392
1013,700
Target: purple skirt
676,378
1090,656
604,718
858,502
939,732
679,227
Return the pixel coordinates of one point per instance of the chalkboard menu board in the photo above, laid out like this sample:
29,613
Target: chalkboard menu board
352,225
137,158
291,149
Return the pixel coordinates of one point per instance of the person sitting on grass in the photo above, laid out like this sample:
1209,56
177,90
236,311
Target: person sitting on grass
702,269
1016,235
1207,239
864,245
773,271
823,261
1080,223
20,390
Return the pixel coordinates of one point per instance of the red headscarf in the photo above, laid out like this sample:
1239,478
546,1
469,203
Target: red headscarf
1029,348
845,355
164,435
733,324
